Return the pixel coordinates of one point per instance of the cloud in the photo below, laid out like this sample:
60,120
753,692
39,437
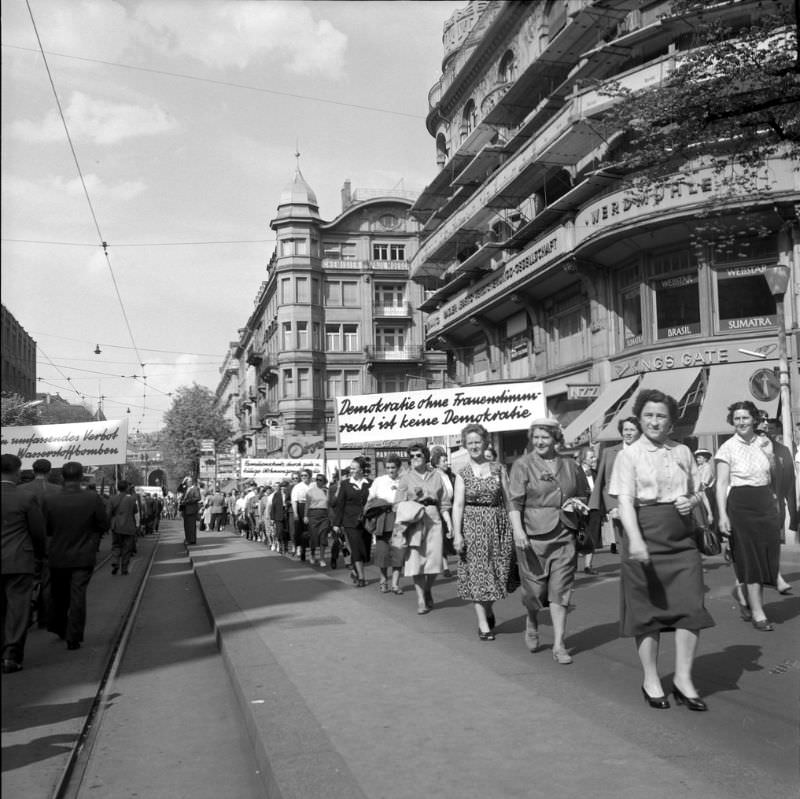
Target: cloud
100,121
223,34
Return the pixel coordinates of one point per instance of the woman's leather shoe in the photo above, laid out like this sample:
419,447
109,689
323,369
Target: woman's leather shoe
486,636
657,702
744,609
765,625
692,702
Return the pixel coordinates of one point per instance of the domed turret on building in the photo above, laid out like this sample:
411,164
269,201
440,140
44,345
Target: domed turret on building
298,200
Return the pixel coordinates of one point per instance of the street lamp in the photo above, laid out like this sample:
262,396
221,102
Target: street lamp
777,277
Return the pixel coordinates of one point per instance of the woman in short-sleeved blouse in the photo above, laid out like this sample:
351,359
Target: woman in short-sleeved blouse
423,555
661,586
748,513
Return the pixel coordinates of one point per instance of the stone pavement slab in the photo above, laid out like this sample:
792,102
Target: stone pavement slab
348,692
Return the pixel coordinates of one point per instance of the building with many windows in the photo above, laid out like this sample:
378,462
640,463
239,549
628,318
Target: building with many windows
336,316
540,265
18,358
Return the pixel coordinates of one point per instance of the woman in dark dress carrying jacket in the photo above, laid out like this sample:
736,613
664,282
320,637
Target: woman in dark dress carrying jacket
348,515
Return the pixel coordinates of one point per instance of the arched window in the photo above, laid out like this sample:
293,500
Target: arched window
507,72
469,119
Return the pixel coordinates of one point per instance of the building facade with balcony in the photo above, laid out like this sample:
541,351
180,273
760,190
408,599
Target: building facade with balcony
540,265
18,358
336,315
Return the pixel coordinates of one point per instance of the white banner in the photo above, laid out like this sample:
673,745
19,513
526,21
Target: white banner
273,470
90,443
438,412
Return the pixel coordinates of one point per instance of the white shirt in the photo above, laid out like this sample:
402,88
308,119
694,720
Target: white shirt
383,487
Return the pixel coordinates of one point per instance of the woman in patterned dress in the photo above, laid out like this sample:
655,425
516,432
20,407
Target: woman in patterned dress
481,530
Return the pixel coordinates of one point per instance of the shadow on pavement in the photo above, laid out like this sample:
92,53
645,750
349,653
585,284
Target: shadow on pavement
21,755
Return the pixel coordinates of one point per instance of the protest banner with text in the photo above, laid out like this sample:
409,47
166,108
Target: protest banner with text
90,443
438,412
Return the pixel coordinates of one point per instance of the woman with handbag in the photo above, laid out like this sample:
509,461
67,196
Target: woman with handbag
348,516
545,492
744,465
481,532
423,555
657,485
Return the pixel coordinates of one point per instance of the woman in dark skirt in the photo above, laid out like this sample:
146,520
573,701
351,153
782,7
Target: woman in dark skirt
657,485
744,464
348,517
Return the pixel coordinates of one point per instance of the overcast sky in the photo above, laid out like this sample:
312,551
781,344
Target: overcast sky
184,117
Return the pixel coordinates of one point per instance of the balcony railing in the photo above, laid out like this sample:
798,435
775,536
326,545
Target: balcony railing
402,311
389,266
254,356
344,263
411,352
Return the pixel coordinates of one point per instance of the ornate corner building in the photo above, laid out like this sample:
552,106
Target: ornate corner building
539,265
337,315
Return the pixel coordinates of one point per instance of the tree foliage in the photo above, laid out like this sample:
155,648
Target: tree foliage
16,411
731,103
192,418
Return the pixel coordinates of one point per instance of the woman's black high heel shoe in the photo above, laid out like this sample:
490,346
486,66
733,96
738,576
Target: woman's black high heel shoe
657,702
692,702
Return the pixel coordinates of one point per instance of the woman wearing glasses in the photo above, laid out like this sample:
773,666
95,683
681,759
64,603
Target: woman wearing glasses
545,493
423,555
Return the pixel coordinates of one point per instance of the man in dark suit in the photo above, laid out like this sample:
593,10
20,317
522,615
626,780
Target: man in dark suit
42,488
22,543
75,520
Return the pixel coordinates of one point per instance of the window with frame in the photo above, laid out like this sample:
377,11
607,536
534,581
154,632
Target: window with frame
333,292
352,382
677,306
333,338
304,383
568,335
286,337
743,298
334,383
302,336
389,295
301,290
350,333
294,247
350,293
286,291
397,252
380,252
391,383
390,339
316,335
288,383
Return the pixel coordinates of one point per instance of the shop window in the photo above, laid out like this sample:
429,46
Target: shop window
677,306
744,299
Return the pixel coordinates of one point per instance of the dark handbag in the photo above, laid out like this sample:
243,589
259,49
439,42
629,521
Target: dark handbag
706,537
583,541
708,541
513,581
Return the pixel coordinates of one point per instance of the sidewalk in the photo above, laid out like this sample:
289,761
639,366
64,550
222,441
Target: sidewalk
348,693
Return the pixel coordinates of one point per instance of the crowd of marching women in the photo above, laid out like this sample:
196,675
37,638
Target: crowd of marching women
649,498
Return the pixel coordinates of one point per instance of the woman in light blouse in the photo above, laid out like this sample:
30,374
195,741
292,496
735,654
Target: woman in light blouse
656,483
744,464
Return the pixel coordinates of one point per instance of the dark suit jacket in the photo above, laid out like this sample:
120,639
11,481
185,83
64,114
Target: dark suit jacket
280,506
601,500
23,530
75,521
784,482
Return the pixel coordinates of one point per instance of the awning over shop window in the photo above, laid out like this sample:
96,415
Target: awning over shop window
675,382
729,383
612,393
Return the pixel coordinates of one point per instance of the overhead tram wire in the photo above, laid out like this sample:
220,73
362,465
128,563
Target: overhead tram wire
140,244
122,347
100,236
225,83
